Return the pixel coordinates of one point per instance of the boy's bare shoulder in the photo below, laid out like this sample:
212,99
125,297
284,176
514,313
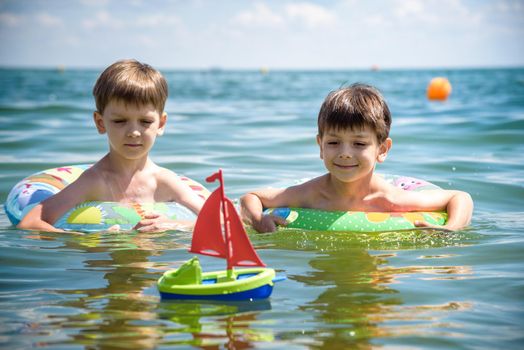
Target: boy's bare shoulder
169,185
88,187
165,176
303,187
306,193
92,181
392,198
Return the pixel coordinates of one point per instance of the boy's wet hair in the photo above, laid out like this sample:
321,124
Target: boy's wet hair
130,81
355,106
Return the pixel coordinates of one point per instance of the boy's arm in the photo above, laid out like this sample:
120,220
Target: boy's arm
458,205
45,214
460,210
189,199
253,203
171,189
34,221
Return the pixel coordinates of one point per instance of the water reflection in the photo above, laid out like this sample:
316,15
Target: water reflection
116,310
344,291
363,297
228,325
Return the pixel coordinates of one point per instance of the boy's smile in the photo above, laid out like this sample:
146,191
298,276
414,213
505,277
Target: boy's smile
345,166
133,145
350,154
131,130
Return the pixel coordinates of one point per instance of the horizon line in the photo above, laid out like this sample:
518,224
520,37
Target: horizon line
267,69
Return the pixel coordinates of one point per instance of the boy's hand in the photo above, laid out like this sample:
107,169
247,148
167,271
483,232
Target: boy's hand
154,222
268,223
114,228
436,227
458,205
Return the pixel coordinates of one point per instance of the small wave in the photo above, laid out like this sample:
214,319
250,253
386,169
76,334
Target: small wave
42,108
294,239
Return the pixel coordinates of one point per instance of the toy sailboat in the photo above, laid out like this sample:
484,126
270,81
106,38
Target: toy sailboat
219,232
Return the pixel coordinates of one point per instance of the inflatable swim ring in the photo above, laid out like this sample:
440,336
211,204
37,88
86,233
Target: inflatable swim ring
355,221
88,216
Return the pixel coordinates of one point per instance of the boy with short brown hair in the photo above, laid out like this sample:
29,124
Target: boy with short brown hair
130,98
353,135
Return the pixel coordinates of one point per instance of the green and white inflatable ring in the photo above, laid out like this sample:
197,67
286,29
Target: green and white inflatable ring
355,221
88,216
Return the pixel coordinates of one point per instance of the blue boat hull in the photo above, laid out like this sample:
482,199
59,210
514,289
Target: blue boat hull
261,292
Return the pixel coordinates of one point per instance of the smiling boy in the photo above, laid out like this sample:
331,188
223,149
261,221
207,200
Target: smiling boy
353,135
130,98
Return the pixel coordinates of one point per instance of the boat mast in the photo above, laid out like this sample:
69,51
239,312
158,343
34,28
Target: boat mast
227,227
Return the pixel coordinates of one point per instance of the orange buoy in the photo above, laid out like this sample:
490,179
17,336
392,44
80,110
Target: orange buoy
439,89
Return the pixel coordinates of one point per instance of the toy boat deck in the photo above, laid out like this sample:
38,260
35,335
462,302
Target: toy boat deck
245,284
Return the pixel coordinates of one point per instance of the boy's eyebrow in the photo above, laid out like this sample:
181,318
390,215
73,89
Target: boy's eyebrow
362,135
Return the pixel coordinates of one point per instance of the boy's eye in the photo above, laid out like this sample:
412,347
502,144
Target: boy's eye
360,144
332,142
147,122
119,121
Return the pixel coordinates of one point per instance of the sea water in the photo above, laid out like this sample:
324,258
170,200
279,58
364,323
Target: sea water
423,290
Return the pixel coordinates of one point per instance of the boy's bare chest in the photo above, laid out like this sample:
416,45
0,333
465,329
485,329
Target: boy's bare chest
347,203
140,189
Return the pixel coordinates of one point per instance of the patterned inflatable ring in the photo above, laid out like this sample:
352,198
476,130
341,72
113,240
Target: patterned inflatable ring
88,216
355,221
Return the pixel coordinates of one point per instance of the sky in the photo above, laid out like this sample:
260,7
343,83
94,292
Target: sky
273,34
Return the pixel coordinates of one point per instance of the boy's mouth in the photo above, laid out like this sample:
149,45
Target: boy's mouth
344,166
133,144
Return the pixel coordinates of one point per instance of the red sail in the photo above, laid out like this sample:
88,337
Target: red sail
232,243
207,235
242,252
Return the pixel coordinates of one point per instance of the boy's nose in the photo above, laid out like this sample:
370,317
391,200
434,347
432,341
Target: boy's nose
345,155
133,133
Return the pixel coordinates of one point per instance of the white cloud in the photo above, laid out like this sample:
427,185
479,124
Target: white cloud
376,20
279,33
260,15
406,8
415,10
48,20
102,20
310,14
436,12
146,41
156,20
71,40
10,19
95,3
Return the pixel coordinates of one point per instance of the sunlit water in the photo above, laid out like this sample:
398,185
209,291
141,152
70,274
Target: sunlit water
422,290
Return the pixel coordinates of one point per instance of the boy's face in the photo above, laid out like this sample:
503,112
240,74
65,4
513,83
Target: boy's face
351,154
131,130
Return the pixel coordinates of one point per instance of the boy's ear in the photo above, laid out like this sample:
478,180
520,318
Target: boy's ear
99,122
163,121
383,150
319,143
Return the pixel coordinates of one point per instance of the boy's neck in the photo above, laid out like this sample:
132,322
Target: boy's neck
357,190
126,167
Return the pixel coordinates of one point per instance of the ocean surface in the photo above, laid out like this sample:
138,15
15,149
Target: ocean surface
411,290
